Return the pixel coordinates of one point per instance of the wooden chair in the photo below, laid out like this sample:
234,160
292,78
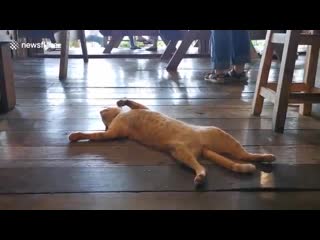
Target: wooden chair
62,36
284,91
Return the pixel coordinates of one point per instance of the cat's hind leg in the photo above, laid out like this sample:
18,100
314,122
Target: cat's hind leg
227,163
131,104
228,144
182,154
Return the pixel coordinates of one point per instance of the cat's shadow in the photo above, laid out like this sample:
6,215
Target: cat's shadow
117,152
125,152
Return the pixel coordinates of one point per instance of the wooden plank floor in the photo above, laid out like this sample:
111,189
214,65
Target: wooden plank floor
39,169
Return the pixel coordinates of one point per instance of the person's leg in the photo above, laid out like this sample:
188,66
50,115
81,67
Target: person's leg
221,50
155,42
221,54
154,46
241,50
132,43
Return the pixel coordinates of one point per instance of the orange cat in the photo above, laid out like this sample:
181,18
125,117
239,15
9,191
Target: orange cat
183,141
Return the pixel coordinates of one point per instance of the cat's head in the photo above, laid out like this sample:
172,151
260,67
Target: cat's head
108,114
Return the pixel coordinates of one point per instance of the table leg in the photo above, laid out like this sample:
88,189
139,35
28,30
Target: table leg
181,51
114,42
169,50
65,37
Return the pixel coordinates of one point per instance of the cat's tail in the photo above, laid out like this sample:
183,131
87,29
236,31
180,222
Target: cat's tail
228,163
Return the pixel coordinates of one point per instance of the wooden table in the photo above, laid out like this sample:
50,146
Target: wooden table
7,88
118,35
189,37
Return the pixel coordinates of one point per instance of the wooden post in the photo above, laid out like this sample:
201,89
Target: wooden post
7,87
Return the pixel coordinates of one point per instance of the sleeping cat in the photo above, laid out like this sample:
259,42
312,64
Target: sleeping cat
185,142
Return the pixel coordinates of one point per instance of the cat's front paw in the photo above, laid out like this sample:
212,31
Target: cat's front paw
122,103
74,137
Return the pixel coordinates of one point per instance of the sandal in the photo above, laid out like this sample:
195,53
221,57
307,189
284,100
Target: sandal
242,77
217,78
152,49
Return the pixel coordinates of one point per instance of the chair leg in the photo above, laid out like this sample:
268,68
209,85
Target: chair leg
263,74
310,72
65,36
285,79
83,43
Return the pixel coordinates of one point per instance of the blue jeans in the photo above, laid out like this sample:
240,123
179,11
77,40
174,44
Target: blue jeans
132,43
229,47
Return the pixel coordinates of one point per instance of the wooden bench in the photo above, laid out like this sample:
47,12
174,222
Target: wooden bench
284,91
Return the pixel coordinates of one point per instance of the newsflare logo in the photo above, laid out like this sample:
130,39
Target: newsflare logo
14,45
